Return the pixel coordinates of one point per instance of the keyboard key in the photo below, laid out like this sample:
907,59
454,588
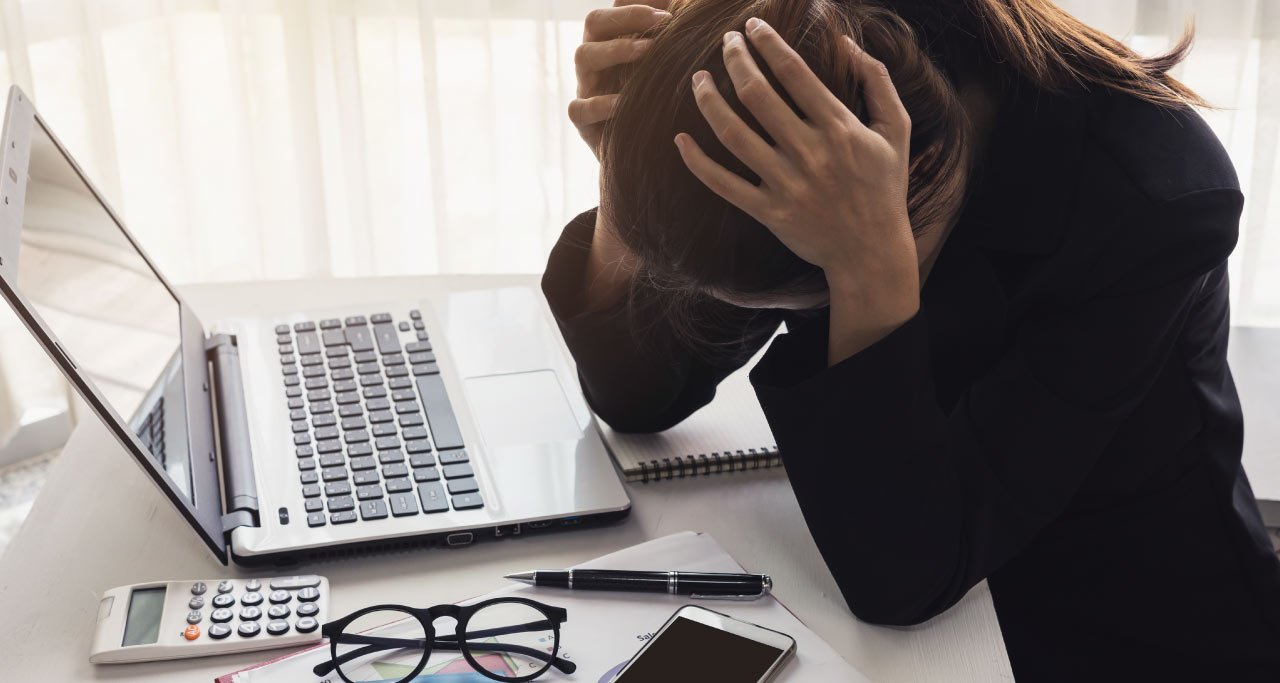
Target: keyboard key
426,474
293,392
369,476
333,473
330,446
417,347
387,443
318,395
301,439
308,342
400,383
314,505
375,392
313,360
347,398
444,426
357,436
380,318
316,383
393,359
452,457
306,464
326,433
379,416
282,329
288,360
467,485
291,380
397,371
395,470
330,323
305,326
422,357
390,457
404,327
248,629
339,363
366,357
309,477
350,423
284,339
362,463
457,471
403,504
337,488
404,395
326,420
467,501
369,492
341,503
384,429
321,408
336,352
399,485
433,498
387,338
370,380
313,371
296,401
424,369
343,517
279,627
331,460
333,338
351,410
415,314
304,451
359,338
378,404
311,490
373,509
355,320
342,380
419,446
360,449
422,459
417,325
413,433
368,368
414,420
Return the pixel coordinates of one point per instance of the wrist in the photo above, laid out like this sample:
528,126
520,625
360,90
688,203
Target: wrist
880,295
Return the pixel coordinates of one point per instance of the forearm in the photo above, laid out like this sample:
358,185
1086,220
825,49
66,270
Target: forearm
869,302
606,274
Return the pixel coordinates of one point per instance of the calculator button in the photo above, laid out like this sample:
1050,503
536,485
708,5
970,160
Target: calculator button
219,631
250,614
308,594
224,600
294,582
197,602
253,585
199,588
306,625
220,615
251,599
308,609
192,632
279,597
224,587
194,616
278,611
248,629
278,627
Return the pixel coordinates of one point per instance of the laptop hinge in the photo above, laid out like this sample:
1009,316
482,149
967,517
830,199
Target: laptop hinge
233,433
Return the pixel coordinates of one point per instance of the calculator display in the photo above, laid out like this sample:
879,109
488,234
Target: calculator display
146,606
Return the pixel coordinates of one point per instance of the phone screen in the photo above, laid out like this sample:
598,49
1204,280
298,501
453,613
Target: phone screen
691,652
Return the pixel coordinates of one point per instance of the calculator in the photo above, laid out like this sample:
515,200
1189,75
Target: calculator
176,619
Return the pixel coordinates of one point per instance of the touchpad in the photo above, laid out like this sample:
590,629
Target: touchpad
522,408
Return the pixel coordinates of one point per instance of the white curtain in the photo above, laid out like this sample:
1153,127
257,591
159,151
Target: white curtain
269,139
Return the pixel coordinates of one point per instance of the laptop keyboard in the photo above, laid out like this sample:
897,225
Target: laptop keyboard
151,432
373,429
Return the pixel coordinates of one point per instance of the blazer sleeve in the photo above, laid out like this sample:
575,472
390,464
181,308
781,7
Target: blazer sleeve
912,505
637,372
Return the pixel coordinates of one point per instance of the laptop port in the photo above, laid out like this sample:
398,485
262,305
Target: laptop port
570,521
460,538
508,530
539,525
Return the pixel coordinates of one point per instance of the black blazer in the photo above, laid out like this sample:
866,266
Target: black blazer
1059,418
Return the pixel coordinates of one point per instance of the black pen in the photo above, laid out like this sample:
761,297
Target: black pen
692,584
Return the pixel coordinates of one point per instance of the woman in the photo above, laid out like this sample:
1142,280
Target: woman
998,240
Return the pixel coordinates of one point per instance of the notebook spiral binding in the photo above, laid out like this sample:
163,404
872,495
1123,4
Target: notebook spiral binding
706,464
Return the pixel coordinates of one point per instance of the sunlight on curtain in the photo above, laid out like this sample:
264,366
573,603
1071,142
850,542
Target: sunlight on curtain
269,139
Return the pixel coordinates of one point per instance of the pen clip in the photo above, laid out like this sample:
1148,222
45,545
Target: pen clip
766,587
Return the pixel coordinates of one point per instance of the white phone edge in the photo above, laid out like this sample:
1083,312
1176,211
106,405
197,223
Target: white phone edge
724,622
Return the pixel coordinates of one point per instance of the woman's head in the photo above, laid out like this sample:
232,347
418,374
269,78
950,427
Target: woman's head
688,242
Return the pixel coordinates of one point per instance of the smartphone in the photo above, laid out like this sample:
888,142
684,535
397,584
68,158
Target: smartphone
697,645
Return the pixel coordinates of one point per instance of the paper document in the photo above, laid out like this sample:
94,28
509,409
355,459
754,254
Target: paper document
603,630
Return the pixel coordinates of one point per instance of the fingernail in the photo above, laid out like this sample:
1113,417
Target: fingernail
699,79
754,24
853,43
661,13
680,141
730,37
642,46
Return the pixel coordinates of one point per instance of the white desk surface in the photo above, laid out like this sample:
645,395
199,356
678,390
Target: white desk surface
100,523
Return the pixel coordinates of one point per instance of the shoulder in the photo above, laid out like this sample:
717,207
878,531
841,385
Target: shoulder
1168,153
1166,167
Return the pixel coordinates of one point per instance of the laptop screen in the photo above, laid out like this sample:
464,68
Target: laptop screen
109,310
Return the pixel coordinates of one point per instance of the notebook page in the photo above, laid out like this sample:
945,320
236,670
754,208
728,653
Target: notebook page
733,421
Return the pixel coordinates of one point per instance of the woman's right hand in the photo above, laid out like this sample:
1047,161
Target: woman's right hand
606,43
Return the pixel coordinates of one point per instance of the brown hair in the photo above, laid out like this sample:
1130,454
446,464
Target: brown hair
689,242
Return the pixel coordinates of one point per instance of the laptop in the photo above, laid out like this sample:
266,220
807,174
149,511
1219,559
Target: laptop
315,434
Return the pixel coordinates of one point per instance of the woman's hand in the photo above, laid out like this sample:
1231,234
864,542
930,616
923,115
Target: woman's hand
832,189
603,47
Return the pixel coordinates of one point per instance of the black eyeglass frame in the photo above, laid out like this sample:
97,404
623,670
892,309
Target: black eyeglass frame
462,615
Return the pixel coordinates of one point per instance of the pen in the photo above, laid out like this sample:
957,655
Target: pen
692,584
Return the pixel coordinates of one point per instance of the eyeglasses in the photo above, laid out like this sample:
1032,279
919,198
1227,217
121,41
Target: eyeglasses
506,639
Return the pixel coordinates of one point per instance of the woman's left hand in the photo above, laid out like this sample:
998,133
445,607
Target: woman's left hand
833,189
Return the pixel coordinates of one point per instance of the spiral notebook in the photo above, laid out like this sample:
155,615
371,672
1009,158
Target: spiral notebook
729,434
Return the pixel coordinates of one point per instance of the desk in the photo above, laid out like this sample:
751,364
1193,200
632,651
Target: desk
101,523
